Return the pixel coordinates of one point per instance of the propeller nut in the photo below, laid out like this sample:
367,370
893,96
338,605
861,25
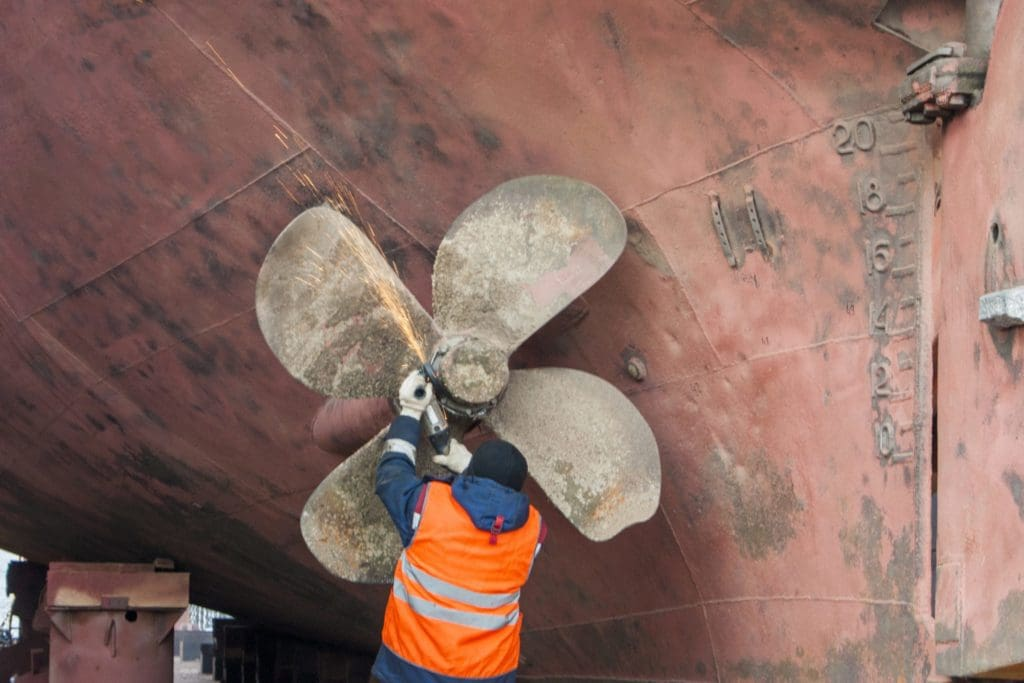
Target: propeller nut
474,371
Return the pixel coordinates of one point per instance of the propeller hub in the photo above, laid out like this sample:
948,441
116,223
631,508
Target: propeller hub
474,371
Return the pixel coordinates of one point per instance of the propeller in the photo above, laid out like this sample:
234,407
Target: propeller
341,322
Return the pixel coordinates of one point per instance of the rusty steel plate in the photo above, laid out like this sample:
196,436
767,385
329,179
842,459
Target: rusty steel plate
587,446
335,313
520,254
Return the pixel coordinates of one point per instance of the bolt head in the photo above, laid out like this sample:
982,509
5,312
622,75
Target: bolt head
636,368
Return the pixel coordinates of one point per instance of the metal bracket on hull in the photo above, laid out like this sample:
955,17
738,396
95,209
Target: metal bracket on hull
723,237
736,246
942,83
951,77
1004,308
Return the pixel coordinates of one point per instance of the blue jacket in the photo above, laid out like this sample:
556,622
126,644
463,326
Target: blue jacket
483,499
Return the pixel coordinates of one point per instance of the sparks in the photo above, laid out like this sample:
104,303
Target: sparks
225,66
288,192
376,273
380,279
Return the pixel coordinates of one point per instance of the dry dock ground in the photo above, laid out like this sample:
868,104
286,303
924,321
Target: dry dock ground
188,672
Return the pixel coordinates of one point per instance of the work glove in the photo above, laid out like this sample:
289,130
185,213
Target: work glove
413,405
457,459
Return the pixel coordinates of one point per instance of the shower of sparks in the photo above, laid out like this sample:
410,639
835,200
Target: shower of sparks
376,273
281,136
223,63
379,274
289,193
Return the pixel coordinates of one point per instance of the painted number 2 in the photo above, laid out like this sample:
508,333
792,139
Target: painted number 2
847,138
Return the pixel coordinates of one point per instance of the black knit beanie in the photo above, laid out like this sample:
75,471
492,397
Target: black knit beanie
501,461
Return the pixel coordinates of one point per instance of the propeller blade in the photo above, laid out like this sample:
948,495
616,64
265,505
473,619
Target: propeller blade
334,312
520,254
586,444
346,526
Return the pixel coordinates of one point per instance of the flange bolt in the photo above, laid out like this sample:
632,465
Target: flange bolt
636,368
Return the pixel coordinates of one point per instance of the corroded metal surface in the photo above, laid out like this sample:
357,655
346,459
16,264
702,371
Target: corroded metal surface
334,312
942,83
979,600
587,446
113,622
520,254
345,525
86,586
927,24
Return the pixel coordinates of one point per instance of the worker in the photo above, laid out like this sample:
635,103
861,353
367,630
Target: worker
469,542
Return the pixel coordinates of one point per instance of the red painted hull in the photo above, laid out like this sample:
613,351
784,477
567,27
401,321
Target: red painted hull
153,151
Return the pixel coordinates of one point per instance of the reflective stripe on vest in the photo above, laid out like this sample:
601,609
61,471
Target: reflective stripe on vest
426,608
447,590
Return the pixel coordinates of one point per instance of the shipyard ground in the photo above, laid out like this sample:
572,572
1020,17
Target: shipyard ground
188,672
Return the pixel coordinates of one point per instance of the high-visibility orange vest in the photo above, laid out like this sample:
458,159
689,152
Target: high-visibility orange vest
454,604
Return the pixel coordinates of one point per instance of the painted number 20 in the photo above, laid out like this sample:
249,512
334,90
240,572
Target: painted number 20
860,136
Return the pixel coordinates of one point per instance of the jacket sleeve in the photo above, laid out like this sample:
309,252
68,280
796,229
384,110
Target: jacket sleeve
397,485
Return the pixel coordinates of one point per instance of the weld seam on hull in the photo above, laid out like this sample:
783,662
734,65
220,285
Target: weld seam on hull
227,72
765,356
775,79
191,219
732,164
700,596
730,601
277,117
764,150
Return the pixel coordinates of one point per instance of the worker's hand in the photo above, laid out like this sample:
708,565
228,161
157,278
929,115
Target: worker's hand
415,394
457,459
